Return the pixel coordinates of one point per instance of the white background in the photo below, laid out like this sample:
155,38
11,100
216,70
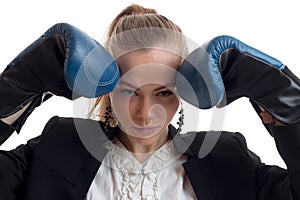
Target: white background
270,26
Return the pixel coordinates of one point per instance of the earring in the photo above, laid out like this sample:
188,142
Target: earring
107,118
180,121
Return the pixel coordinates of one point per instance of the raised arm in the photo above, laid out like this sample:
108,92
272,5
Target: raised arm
64,61
225,69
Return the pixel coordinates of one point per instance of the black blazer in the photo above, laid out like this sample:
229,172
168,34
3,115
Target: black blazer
57,166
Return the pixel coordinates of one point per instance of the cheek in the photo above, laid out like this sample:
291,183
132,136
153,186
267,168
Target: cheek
119,105
167,109
172,108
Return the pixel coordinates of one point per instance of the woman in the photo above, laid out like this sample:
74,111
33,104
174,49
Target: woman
139,155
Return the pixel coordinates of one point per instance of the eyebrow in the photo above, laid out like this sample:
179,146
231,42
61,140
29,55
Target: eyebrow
167,85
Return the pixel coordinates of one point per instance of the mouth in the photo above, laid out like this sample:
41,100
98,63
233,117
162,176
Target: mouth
146,130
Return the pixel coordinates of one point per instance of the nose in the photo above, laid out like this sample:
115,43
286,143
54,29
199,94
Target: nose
144,114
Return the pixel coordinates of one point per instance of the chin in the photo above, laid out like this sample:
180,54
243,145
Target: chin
145,133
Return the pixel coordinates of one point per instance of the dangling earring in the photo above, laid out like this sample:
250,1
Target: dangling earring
107,118
180,121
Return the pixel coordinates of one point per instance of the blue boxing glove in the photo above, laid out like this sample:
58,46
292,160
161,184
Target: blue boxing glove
64,61
225,69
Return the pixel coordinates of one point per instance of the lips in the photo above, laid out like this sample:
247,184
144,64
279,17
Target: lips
147,130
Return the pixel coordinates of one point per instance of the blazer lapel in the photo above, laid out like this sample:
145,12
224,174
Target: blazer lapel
77,153
199,183
84,179
93,140
226,173
192,167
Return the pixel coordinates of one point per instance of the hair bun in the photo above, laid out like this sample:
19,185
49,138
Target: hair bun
135,9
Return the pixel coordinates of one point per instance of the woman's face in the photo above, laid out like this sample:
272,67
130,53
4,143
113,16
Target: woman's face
146,100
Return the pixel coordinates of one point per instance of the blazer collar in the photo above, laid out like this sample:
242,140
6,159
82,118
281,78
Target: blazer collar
201,172
192,168
225,173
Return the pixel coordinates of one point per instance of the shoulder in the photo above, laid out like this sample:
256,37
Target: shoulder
219,144
66,127
61,149
70,136
62,137
62,123
60,132
218,138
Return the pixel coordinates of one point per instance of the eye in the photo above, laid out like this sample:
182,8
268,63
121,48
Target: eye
165,93
127,92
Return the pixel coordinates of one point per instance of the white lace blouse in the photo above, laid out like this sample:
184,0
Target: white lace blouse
122,176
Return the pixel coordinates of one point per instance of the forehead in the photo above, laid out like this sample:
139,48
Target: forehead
148,66
148,57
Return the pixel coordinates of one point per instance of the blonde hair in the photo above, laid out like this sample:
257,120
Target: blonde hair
136,28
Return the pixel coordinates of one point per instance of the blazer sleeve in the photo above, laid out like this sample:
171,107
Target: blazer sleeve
273,182
14,163
287,140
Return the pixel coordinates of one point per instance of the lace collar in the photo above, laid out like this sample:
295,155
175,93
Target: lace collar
119,158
